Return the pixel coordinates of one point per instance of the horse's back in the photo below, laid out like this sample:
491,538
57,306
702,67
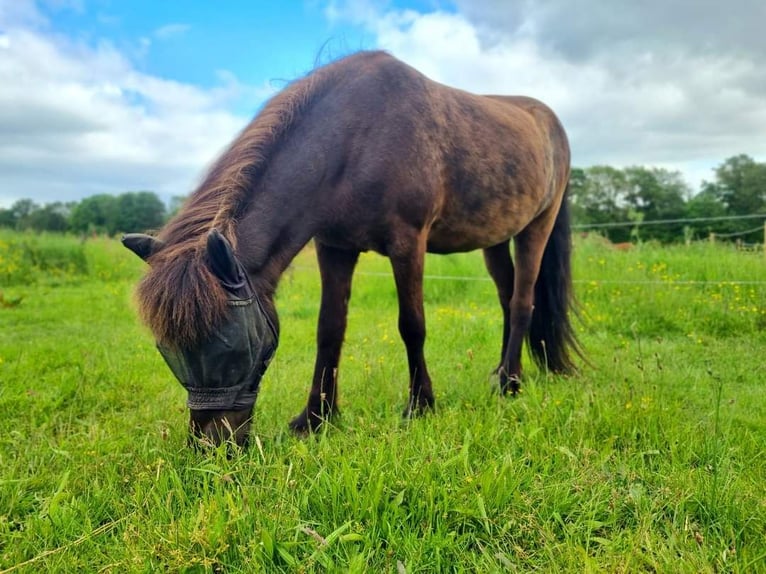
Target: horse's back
473,170
545,117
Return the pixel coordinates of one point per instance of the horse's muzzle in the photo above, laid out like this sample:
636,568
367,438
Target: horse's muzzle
215,427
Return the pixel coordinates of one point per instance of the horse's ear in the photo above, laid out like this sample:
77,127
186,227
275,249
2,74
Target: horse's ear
221,258
142,245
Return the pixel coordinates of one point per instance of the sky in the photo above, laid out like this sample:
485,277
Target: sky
108,96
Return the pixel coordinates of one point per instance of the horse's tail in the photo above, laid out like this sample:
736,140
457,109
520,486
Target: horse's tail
551,337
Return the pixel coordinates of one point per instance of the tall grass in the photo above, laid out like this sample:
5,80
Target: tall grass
55,259
652,459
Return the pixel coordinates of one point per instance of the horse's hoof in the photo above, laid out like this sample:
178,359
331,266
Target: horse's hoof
309,422
510,385
300,425
305,423
418,408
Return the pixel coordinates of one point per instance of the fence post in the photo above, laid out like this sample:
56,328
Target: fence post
711,237
764,237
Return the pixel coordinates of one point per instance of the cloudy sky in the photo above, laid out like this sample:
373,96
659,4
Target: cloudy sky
117,95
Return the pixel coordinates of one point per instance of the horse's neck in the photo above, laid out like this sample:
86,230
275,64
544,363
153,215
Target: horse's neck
272,233
285,209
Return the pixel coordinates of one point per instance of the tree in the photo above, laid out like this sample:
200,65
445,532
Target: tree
7,218
598,196
656,194
740,187
50,217
139,211
705,205
97,213
578,182
21,211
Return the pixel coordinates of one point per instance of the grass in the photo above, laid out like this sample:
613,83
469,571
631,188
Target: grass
652,459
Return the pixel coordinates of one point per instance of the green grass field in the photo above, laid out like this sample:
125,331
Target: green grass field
652,459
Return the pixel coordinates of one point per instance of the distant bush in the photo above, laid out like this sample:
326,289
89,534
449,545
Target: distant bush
27,258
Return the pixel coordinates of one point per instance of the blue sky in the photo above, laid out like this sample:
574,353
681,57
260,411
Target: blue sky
192,41
116,95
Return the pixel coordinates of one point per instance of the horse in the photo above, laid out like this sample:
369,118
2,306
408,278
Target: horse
363,153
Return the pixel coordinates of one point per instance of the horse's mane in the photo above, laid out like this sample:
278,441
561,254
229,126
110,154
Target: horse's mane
179,298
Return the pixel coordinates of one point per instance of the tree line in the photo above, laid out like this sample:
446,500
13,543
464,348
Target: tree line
600,196
103,213
604,195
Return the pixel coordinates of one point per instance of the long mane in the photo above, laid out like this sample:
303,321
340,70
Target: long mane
179,298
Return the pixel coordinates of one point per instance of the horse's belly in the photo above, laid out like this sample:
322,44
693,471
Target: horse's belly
464,237
481,217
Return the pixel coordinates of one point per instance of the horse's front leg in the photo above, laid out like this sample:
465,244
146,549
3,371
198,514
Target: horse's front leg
336,268
407,263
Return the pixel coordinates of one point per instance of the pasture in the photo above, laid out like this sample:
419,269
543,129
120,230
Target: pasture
651,459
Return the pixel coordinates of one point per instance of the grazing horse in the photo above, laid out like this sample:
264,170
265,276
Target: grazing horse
362,154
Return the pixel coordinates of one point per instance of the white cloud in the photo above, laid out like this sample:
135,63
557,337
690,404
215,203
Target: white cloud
19,12
77,120
635,86
649,84
171,31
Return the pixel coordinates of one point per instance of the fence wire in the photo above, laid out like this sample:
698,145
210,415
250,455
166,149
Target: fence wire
739,233
584,226
668,283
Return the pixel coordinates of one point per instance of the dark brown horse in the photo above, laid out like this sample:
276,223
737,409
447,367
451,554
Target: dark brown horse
362,154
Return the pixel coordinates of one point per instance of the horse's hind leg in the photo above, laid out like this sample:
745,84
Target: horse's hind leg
528,246
336,267
407,260
500,267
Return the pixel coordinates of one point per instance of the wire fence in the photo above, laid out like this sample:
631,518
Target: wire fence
690,234
612,224
668,283
484,278
738,233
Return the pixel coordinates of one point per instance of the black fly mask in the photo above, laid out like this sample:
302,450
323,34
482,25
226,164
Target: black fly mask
224,371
